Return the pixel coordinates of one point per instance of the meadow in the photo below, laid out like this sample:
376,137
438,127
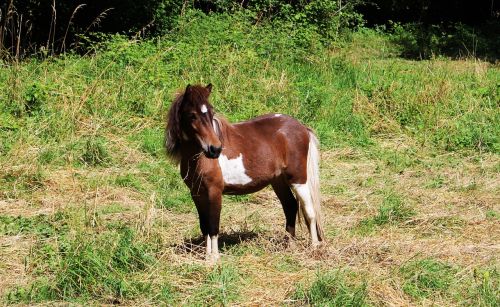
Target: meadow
92,211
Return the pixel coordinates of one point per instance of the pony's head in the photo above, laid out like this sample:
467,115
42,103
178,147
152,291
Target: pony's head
191,120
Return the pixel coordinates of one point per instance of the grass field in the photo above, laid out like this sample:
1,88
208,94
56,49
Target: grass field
92,212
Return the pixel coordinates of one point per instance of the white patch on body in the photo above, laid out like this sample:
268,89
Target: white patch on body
277,115
233,170
203,109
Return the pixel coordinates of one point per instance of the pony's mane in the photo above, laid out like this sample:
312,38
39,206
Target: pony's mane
173,133
173,130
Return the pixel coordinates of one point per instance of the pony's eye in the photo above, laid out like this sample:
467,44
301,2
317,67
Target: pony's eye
192,116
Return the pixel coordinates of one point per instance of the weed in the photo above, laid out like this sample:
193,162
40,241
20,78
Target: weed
492,214
219,288
435,182
128,180
485,290
95,152
332,289
426,277
392,211
151,141
40,225
34,97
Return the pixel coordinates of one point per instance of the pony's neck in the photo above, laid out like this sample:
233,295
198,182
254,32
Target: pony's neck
190,150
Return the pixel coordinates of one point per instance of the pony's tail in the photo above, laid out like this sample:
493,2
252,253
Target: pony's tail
313,181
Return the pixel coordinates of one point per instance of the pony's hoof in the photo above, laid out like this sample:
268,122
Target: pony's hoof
212,259
316,245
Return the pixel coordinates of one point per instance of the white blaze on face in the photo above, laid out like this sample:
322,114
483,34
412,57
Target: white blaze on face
202,144
233,170
216,127
203,109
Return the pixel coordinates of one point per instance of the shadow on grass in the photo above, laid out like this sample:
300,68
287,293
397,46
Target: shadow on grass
226,240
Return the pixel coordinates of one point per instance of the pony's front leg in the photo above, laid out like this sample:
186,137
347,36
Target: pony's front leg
214,197
208,203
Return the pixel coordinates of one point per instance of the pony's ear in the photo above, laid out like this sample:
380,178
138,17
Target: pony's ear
209,87
187,88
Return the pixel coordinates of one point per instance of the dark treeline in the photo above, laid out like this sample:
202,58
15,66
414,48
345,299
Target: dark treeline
468,12
424,27
31,25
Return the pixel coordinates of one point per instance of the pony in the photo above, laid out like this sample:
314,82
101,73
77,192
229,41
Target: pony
217,157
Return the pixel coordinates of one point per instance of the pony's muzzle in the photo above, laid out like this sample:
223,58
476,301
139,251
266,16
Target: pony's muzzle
213,152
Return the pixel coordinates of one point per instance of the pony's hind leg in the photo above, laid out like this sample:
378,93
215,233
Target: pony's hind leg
307,206
288,202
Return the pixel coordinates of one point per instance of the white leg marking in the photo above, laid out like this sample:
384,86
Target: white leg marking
233,170
215,248
305,200
203,109
208,250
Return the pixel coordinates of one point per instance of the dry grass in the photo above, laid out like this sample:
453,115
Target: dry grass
450,225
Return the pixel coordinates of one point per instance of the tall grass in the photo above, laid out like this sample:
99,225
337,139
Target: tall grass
90,265
127,85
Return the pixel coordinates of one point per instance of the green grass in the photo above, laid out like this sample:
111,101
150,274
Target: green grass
220,287
492,214
393,210
40,225
485,290
93,265
95,152
427,277
332,289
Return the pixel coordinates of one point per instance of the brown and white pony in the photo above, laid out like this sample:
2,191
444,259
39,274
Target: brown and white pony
217,158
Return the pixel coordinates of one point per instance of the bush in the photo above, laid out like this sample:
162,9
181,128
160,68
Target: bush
423,41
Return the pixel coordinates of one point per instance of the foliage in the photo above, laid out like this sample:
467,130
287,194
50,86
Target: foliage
423,41
71,23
